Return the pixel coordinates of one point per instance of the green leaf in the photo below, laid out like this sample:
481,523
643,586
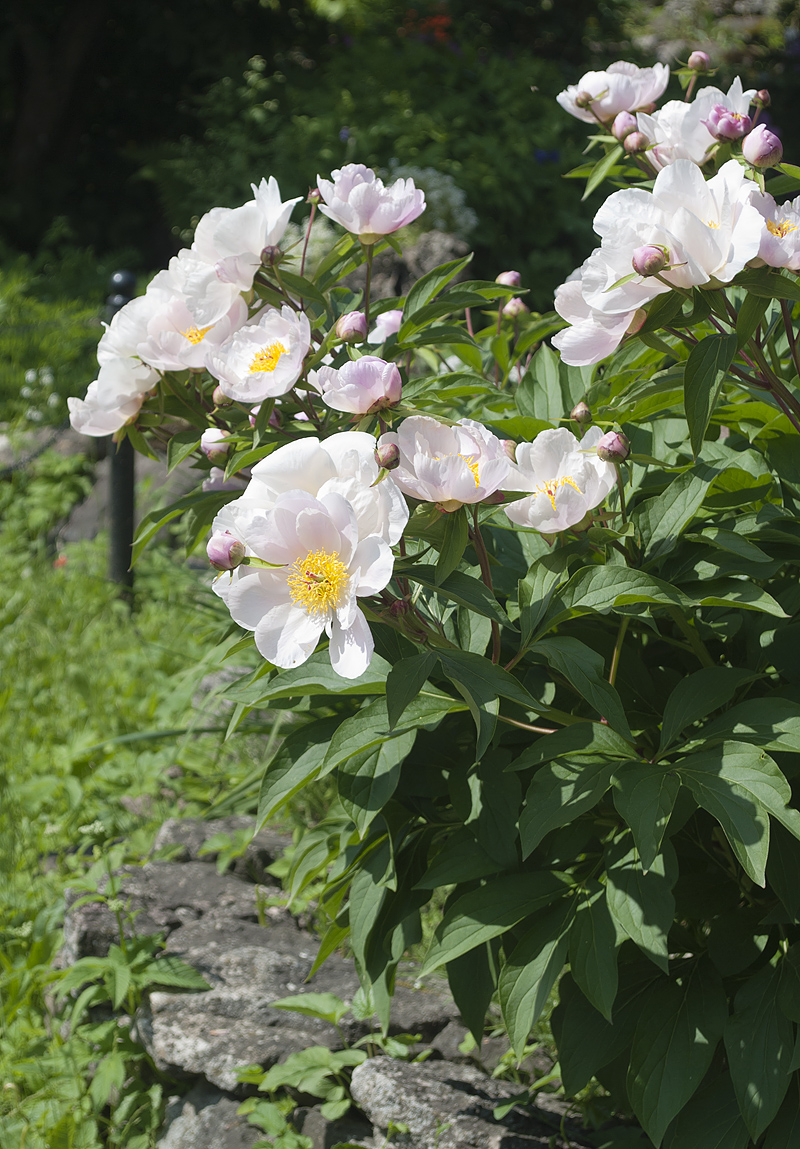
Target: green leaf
454,543
644,795
172,971
751,313
297,762
585,670
463,589
485,913
593,949
180,446
472,982
759,1040
370,727
404,682
768,283
603,168
530,972
537,589
369,779
206,504
702,380
109,1075
454,301
325,1006
461,859
741,592
122,983
579,740
784,1131
673,1046
710,1120
481,684
559,793
600,589
494,816
315,676
740,785
425,288
304,288
789,987
642,903
663,519
694,697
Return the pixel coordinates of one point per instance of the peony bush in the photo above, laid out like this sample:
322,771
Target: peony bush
536,609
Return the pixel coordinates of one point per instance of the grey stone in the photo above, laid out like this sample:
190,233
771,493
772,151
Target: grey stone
161,897
325,1134
448,1106
206,1119
191,834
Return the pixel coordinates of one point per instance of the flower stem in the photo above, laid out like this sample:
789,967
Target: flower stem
486,575
790,335
368,251
623,626
308,235
621,489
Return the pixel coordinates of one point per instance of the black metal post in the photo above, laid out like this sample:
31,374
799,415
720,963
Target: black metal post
121,494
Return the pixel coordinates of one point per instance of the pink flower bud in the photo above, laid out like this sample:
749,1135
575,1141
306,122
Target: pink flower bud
220,399
624,124
762,148
614,447
314,196
514,307
509,278
271,255
699,62
510,448
762,98
224,551
650,259
213,446
581,413
727,125
388,456
635,142
583,99
352,328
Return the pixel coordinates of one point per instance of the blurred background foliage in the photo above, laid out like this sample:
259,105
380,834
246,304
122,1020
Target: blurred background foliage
122,123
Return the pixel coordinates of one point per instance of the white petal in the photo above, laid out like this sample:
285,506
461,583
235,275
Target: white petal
351,649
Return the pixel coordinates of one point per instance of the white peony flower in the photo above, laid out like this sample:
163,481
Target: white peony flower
324,567
113,398
264,358
591,335
388,323
622,87
232,239
780,239
678,130
343,464
363,386
175,342
565,477
199,284
448,466
357,199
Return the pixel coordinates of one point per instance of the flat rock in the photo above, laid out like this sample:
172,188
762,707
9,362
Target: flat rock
187,836
206,1119
447,1106
163,897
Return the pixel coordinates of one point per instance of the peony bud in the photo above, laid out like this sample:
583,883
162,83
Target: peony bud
220,399
762,98
271,255
510,448
583,99
509,278
727,125
624,124
581,413
213,446
699,62
650,259
314,196
514,307
352,327
762,148
614,447
224,551
388,456
635,142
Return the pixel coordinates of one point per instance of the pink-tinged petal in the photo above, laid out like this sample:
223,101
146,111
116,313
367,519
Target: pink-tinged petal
351,649
317,532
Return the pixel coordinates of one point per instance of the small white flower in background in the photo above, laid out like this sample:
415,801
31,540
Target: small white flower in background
448,466
362,386
263,358
565,477
232,239
324,567
780,239
343,464
357,199
216,480
389,323
622,87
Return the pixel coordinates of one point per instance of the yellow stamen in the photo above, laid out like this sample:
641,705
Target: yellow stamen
551,486
780,229
195,334
712,223
267,358
318,582
473,466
